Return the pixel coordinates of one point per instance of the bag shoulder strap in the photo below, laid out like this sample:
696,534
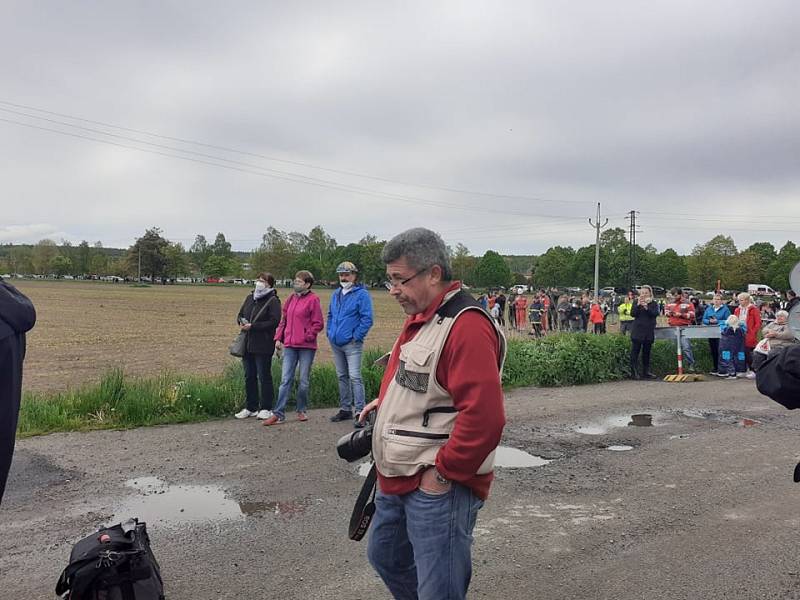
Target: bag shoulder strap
263,308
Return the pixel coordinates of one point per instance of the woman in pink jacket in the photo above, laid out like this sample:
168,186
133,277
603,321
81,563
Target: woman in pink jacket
297,337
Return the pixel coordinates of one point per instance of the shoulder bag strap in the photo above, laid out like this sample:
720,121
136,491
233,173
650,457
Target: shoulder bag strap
263,308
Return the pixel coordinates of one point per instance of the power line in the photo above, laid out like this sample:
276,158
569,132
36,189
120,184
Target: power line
285,161
266,172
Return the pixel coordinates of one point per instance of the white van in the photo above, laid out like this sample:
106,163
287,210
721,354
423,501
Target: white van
759,289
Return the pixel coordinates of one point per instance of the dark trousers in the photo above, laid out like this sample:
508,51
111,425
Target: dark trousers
748,358
643,347
713,344
258,369
12,351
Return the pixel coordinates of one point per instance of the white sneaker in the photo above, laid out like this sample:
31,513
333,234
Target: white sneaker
751,375
244,413
264,414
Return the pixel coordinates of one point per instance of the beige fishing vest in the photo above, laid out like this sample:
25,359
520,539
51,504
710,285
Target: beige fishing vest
417,414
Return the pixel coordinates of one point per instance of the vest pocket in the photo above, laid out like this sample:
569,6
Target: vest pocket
414,371
411,445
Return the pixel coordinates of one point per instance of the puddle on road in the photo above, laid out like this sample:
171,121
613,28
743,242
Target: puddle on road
604,426
157,501
511,458
505,458
619,448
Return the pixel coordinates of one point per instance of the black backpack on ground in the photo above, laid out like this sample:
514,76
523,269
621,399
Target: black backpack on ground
779,376
115,563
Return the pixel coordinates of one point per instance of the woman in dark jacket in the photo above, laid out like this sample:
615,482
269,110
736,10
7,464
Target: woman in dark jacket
644,312
259,317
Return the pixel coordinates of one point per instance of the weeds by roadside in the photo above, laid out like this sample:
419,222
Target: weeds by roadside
120,401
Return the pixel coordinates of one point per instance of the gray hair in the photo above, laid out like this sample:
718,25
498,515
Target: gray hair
782,313
422,249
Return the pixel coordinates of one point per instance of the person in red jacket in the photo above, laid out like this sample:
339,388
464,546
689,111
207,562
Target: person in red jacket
439,420
749,314
680,313
596,317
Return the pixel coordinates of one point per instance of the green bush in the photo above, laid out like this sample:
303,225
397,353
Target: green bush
120,401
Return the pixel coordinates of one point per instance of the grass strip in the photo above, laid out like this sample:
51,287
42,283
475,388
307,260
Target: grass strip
119,401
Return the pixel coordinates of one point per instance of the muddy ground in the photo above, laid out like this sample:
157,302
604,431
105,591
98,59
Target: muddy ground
702,506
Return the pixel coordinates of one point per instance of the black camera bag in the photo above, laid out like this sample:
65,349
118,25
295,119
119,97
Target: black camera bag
115,563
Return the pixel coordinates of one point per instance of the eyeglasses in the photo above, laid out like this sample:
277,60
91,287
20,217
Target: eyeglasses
394,283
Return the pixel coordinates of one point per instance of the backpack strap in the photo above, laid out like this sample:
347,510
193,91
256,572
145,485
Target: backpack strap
459,301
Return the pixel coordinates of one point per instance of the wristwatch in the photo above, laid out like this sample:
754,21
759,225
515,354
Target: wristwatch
439,477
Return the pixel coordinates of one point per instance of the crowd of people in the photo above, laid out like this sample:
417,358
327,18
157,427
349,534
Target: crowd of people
637,314
292,331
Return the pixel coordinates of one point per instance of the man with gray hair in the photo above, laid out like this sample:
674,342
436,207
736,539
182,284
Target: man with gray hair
440,418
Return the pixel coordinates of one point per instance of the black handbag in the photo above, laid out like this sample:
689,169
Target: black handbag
239,345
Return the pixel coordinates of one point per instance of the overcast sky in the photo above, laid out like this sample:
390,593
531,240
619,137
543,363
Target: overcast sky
499,124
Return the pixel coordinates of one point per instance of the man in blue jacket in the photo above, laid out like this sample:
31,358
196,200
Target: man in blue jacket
17,316
349,321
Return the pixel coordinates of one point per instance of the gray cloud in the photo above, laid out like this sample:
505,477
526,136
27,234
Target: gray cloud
658,107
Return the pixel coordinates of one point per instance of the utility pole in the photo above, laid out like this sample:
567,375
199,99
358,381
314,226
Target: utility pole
597,226
140,263
632,249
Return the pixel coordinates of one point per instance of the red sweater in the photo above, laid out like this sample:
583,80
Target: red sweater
467,369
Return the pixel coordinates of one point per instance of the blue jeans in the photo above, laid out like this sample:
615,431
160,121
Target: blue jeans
291,358
258,368
420,544
347,360
686,350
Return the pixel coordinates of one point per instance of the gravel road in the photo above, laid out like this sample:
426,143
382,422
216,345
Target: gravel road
702,504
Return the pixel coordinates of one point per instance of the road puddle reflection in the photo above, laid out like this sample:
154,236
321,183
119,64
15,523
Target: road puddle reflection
159,502
619,448
614,422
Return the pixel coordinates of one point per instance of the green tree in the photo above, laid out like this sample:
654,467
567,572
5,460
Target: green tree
199,252
492,271
176,260
712,261
779,269
150,249
99,265
583,267
221,247
61,265
83,258
319,255
765,253
463,263
43,254
554,267
669,270
219,266
275,254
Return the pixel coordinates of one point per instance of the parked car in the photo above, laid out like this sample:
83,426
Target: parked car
518,289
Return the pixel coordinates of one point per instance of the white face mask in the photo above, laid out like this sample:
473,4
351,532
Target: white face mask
346,285
260,285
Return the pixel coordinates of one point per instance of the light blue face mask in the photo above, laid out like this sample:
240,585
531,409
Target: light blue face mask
346,285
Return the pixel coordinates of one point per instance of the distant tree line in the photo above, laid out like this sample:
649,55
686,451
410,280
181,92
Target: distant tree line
284,253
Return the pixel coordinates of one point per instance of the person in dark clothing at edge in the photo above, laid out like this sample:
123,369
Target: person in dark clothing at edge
259,317
442,386
792,300
17,316
645,313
